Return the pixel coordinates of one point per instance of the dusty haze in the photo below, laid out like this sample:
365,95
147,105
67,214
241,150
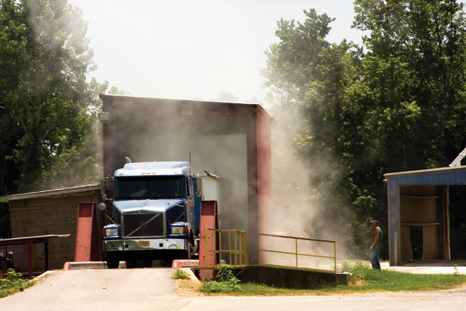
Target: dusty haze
293,213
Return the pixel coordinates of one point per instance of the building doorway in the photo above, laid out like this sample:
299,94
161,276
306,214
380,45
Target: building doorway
457,215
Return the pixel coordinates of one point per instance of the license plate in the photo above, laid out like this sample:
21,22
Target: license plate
144,243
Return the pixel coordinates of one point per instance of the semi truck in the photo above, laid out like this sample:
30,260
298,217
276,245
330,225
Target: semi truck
156,212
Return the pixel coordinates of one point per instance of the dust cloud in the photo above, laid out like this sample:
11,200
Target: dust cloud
218,145
293,213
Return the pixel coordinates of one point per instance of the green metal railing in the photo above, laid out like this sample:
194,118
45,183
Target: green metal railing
295,254
237,247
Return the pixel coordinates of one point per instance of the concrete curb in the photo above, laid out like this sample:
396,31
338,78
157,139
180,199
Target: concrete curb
192,277
185,263
343,278
88,265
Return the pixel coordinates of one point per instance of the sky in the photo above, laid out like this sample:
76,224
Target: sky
188,49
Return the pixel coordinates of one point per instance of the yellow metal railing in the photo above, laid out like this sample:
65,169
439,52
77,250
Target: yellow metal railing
237,247
294,255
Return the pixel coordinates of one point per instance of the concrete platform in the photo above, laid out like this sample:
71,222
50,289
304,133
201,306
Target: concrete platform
89,265
185,263
286,278
429,267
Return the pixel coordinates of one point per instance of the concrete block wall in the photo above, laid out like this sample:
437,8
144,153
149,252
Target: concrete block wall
42,216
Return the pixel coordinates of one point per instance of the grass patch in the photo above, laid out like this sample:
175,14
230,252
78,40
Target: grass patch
366,279
180,275
13,283
363,280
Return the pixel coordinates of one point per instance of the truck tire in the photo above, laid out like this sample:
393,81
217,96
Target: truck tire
131,264
147,263
112,261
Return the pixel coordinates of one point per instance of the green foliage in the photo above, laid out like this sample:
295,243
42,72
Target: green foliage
180,275
416,66
114,90
13,283
227,282
225,274
393,104
358,270
47,108
384,280
220,287
364,279
345,266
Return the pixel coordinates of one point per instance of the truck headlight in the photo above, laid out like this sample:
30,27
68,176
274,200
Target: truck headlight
179,230
111,232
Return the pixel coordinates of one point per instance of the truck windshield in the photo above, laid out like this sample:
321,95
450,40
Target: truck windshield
150,187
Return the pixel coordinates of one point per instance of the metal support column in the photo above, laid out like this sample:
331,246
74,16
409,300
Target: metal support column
86,234
209,219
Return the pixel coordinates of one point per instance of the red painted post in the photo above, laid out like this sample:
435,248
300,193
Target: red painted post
264,177
84,232
209,219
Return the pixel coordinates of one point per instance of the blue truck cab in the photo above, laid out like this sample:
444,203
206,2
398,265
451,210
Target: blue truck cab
156,212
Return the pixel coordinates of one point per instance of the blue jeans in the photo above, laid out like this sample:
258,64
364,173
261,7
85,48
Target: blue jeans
375,258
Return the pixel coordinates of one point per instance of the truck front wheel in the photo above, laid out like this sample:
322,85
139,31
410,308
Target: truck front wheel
147,263
131,264
112,261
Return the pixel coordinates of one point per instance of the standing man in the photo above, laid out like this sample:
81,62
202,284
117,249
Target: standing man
376,244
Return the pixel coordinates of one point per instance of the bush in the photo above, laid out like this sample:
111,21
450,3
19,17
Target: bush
345,266
13,283
227,282
180,275
225,274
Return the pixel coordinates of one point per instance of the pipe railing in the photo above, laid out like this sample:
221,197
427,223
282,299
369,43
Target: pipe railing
294,255
237,251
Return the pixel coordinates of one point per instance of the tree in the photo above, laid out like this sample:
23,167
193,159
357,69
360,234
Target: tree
394,104
114,90
308,77
416,67
413,85
293,62
45,58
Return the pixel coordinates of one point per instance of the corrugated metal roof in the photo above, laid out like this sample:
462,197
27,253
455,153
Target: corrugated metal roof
49,193
441,170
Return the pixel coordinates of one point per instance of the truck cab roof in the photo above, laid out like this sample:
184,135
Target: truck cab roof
153,168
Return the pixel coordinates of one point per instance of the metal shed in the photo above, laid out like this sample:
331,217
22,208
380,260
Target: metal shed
421,199
231,140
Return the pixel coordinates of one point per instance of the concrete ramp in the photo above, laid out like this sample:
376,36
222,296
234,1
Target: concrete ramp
99,289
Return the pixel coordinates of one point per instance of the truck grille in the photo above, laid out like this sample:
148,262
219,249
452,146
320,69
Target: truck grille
138,225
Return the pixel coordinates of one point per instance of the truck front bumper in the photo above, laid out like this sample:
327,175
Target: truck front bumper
144,244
